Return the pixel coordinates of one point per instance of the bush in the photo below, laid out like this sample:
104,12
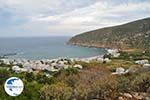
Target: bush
59,91
105,88
95,83
29,77
107,56
43,79
71,71
141,83
124,84
31,91
82,90
71,80
4,74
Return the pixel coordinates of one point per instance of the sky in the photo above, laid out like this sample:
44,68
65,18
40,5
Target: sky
21,18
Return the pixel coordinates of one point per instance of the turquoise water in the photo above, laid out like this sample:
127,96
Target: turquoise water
45,48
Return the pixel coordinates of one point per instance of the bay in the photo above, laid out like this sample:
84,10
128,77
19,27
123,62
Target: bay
45,48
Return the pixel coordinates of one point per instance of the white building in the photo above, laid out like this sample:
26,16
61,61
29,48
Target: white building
113,52
78,66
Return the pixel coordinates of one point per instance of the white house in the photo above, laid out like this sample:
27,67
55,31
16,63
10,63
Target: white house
78,66
16,69
113,52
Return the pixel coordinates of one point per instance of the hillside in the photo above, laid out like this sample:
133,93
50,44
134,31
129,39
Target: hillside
133,35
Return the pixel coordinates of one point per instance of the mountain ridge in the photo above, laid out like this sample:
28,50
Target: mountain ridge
131,35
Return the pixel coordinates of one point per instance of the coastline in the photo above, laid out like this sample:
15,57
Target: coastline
106,47
44,48
90,45
24,65
97,67
51,65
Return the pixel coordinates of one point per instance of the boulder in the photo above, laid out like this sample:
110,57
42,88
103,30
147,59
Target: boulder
119,71
133,69
138,96
146,67
127,95
141,62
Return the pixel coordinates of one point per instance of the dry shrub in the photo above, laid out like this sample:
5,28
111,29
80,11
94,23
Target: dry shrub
95,83
59,91
141,83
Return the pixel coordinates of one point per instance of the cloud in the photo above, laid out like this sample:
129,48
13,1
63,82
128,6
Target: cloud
49,7
63,17
100,14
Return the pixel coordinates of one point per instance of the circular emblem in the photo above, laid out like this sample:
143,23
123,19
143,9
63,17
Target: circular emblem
13,86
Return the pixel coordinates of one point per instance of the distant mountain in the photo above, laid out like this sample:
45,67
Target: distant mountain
133,35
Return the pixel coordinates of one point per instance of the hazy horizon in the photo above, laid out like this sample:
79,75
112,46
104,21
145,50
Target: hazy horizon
42,18
34,36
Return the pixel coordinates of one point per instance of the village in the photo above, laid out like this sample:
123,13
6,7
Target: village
55,65
116,64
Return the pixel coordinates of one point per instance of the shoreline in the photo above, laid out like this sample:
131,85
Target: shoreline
52,65
106,47
25,65
12,55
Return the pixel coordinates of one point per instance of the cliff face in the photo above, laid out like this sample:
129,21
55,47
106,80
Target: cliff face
133,35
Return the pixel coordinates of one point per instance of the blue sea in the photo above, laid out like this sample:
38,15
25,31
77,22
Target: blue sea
45,48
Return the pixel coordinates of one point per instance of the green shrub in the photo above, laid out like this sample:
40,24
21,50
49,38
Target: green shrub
123,84
4,74
31,91
70,71
29,77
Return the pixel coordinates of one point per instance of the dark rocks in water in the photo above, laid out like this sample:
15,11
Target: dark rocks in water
1,57
10,54
7,55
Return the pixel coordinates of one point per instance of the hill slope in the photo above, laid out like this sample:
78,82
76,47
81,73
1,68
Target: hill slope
133,35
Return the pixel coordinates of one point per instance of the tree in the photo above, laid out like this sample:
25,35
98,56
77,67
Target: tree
29,77
4,74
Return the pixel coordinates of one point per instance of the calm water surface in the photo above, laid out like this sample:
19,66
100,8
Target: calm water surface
45,48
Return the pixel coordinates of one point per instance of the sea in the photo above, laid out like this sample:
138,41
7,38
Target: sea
36,48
